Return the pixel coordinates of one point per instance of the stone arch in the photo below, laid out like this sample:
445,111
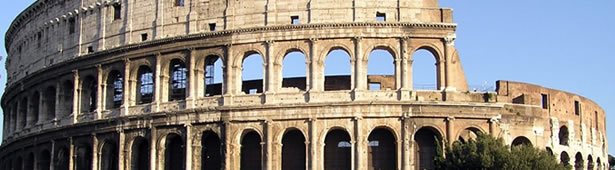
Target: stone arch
388,78
34,108
549,150
337,150
390,48
434,51
211,88
332,47
61,159
286,82
432,48
382,149
252,85
178,79
109,155
66,100
83,159
578,161
279,57
590,162
521,140
114,89
469,133
251,150
598,164
49,103
19,164
425,147
88,97
44,160
239,58
23,113
145,89
293,150
174,152
139,154
28,163
563,135
211,155
564,158
343,81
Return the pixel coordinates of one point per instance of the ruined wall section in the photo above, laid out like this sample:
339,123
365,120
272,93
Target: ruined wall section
58,31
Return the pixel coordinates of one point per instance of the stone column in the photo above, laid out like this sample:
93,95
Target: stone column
42,110
449,45
52,165
406,65
270,84
450,126
188,147
228,76
360,76
227,148
406,135
157,83
360,142
192,87
315,71
99,92
95,153
76,96
313,161
71,153
127,95
268,145
122,153
153,149
59,112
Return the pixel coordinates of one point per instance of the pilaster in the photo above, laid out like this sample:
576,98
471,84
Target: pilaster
157,84
127,95
188,147
76,96
99,92
192,78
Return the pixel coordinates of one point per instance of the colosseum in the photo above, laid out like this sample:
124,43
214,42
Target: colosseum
129,85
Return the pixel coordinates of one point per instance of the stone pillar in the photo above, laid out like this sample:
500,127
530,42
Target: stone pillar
95,153
153,149
359,74
122,153
228,76
76,96
192,87
227,148
99,92
406,143
188,147
71,153
360,142
268,145
450,126
52,165
406,65
127,89
270,83
449,43
157,84
313,161
492,124
59,112
316,74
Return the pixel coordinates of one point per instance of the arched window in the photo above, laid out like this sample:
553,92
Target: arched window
590,162
337,71
425,148
61,159
213,75
210,153
178,81
18,164
84,157
139,158
67,99
337,150
115,90
109,157
88,95
29,162
49,103
293,150
578,161
521,140
23,112
146,85
44,160
550,151
563,135
34,108
599,164
175,153
179,2
564,158
251,152
293,71
468,134
252,74
381,70
382,150
425,70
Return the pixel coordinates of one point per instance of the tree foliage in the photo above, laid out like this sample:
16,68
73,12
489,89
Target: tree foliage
489,153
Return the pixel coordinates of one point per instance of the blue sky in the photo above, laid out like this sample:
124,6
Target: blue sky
560,44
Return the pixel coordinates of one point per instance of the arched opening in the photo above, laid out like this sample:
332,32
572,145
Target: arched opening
67,99
18,164
175,153
425,70
34,106
178,74
139,156
564,158
521,140
252,74
23,112
294,71
599,164
115,90
88,94
468,134
337,70
578,161
293,150
84,157
563,135
145,80
590,162
381,70
550,151
109,156
29,162
61,159
382,150
425,148
210,153
337,150
251,152
213,75
49,103
44,160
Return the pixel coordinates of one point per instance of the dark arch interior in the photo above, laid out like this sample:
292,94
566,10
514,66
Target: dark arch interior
44,162
49,102
251,152
175,153
564,158
140,154
88,94
18,164
563,135
468,134
293,150
34,108
337,150
521,140
382,152
67,98
61,159
210,154
109,156
179,78
578,161
426,148
145,85
29,162
84,157
115,86
590,162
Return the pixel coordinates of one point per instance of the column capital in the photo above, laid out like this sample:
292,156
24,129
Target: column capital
357,39
450,39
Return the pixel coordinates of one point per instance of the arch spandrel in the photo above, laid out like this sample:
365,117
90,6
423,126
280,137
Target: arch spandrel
326,46
241,52
284,48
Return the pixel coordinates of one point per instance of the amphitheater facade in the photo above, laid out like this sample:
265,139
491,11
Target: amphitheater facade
127,85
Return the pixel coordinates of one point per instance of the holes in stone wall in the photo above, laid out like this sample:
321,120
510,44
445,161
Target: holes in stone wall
381,17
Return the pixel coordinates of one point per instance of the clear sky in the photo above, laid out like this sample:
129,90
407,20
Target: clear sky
560,44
